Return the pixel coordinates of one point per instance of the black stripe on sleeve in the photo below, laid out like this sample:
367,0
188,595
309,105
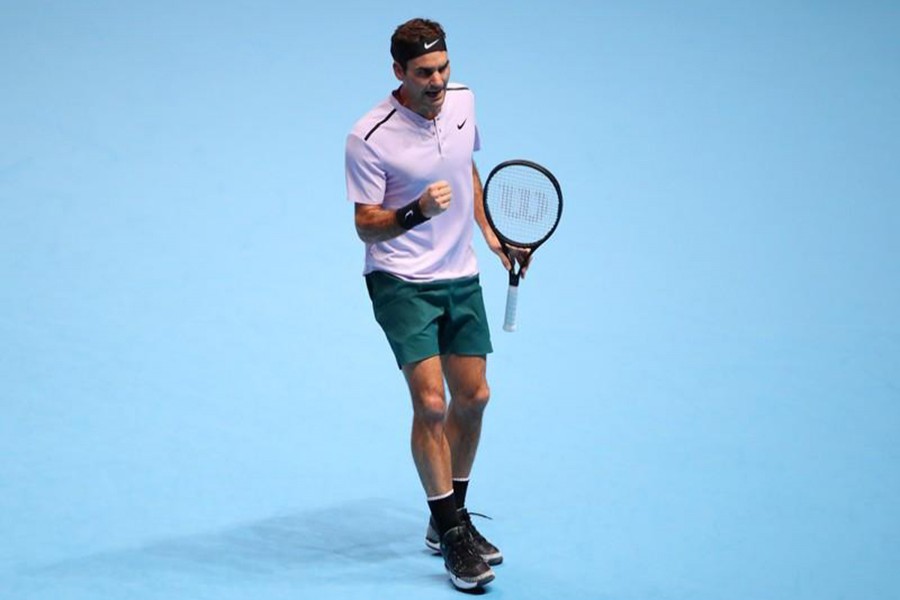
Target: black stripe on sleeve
379,124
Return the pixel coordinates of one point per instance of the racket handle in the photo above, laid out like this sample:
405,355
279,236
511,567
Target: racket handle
512,299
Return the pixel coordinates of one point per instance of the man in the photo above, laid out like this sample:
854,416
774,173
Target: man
411,175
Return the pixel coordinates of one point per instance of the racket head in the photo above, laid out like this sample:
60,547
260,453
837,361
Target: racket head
523,203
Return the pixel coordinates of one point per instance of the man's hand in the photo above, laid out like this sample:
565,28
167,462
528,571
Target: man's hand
519,255
435,199
494,244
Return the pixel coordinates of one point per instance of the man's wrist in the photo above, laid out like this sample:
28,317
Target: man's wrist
410,215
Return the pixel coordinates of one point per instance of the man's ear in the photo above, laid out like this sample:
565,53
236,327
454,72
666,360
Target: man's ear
398,71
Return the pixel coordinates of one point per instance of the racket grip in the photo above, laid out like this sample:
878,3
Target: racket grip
512,299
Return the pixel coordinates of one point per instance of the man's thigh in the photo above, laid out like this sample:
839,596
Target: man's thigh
466,375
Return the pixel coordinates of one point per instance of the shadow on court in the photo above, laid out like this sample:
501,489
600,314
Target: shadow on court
351,547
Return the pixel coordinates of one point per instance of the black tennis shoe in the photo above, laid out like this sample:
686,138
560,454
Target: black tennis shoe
489,552
466,568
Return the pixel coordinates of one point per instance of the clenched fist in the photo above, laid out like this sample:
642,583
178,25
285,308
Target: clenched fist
435,199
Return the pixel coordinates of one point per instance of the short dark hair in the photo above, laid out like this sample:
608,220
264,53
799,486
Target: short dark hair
413,32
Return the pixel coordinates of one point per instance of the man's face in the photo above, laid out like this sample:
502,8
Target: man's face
425,83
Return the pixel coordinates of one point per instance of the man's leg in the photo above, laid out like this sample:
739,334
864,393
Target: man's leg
430,449
431,453
469,395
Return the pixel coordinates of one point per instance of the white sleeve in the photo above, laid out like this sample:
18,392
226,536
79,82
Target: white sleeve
365,177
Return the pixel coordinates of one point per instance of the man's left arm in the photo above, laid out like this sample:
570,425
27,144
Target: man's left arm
521,256
489,236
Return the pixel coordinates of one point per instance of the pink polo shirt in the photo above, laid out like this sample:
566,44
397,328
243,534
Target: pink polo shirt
392,155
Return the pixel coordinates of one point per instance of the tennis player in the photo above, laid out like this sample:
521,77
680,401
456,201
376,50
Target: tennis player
417,193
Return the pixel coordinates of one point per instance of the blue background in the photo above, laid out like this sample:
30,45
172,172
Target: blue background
702,399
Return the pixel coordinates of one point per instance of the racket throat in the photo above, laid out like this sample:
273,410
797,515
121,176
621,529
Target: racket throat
514,276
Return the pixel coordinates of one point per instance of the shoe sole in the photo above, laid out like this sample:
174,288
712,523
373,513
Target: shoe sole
491,559
462,584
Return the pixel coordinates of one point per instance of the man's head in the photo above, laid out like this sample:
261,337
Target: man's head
421,64
415,38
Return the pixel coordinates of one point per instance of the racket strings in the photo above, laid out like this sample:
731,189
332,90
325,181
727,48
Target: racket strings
523,204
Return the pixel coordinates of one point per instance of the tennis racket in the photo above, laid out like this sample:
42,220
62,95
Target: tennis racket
523,203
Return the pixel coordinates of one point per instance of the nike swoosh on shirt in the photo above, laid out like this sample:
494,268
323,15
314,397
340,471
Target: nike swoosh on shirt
461,125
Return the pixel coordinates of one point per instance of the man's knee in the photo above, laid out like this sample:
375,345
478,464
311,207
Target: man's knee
430,407
473,399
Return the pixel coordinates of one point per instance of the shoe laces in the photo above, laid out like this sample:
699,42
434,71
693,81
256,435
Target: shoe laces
478,514
470,526
463,550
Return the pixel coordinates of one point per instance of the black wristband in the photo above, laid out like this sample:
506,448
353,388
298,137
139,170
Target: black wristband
410,215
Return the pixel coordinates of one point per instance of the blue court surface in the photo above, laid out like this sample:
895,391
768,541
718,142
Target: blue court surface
702,401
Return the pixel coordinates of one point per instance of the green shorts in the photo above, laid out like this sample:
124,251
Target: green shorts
428,319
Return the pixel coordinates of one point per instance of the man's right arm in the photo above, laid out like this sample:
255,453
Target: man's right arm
377,224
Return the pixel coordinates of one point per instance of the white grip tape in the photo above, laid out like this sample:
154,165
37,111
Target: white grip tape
512,298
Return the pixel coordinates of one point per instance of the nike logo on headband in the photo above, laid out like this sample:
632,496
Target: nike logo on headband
429,45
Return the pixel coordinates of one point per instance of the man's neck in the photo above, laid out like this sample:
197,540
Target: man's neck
400,95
